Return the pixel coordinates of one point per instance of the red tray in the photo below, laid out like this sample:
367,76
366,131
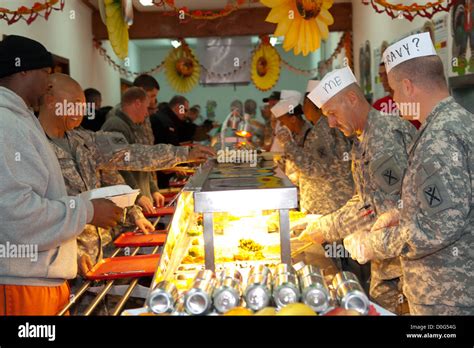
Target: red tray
133,239
161,212
124,267
169,197
178,183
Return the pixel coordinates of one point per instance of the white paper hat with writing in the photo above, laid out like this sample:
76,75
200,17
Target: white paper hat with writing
332,84
312,84
289,100
413,46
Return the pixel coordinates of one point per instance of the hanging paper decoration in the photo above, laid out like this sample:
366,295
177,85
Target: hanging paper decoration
182,69
29,15
303,23
118,17
265,70
203,14
409,11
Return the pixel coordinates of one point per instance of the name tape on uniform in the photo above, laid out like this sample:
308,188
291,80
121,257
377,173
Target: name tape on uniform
413,46
331,84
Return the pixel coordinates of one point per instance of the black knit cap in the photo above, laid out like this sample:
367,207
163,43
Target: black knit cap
18,53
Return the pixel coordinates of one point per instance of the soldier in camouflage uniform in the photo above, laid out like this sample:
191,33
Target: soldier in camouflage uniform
379,158
433,231
321,155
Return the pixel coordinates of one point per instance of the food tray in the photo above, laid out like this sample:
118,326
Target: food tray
161,212
179,183
134,239
124,267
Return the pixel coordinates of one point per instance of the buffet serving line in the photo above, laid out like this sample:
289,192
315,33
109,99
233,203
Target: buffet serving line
226,250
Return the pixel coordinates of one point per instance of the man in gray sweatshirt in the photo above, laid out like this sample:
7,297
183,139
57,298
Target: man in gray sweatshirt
39,222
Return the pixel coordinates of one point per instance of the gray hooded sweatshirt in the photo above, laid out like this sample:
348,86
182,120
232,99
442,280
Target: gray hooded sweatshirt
35,211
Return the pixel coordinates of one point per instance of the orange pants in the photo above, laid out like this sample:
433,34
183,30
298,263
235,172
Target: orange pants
33,300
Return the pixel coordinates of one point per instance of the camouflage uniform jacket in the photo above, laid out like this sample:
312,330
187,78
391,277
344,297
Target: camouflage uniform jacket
321,155
169,155
435,235
379,159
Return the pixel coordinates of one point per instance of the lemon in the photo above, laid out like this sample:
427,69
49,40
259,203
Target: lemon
296,309
239,311
266,311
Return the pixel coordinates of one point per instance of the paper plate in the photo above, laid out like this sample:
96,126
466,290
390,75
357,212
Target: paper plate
122,195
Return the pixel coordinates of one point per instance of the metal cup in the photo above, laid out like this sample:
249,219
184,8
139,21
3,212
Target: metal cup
198,299
350,293
163,298
228,290
314,288
259,285
285,286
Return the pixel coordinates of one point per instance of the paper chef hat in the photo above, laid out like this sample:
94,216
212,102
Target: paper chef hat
413,46
331,84
289,94
289,100
312,84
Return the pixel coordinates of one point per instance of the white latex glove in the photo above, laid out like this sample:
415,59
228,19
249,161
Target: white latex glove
284,136
387,219
358,245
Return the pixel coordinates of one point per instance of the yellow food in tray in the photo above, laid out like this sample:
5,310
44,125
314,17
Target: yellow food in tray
248,250
273,221
249,245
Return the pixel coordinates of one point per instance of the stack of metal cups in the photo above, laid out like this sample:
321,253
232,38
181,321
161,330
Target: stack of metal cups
163,298
228,290
314,289
259,288
285,286
198,299
350,293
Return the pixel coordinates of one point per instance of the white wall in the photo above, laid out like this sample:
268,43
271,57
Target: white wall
71,38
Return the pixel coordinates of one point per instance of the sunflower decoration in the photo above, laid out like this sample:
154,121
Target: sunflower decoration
265,66
303,23
182,68
117,16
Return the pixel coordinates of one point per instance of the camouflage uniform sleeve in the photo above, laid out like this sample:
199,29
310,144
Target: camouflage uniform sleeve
88,242
133,214
310,164
442,192
292,172
343,222
387,167
305,160
118,154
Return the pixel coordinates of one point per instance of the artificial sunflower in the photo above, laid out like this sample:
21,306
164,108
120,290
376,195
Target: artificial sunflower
265,66
182,69
118,17
303,23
